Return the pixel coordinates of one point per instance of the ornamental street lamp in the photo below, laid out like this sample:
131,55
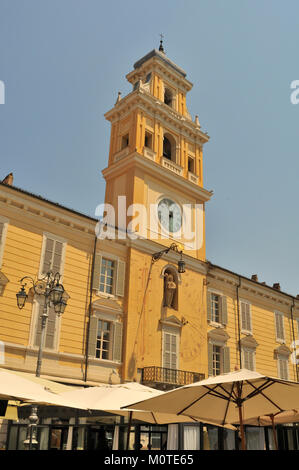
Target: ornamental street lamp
173,247
53,292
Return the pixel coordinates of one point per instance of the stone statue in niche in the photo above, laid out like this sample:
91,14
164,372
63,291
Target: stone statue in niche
170,288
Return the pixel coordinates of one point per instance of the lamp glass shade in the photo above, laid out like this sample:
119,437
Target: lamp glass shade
181,266
60,307
21,298
56,294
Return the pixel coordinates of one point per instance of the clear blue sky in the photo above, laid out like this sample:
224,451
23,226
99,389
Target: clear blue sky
63,63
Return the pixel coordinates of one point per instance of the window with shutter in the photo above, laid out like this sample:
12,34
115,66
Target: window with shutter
248,358
109,275
52,255
246,317
170,350
279,327
217,308
51,327
105,339
283,367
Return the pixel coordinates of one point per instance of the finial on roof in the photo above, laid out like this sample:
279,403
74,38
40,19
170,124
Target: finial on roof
118,97
161,48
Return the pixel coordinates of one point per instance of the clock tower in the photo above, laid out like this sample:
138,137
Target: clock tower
154,178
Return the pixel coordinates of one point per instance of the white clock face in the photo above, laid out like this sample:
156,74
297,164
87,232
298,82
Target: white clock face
170,216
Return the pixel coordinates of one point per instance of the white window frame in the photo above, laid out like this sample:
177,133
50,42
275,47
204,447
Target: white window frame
246,349
36,313
282,357
279,340
220,294
55,238
5,223
113,319
243,330
221,359
115,261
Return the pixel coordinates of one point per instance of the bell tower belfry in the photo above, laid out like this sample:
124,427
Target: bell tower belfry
156,157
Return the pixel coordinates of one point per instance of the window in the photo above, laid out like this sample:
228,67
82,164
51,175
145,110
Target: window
107,276
215,305
170,350
245,308
219,359
217,353
217,308
51,330
103,345
124,141
148,140
52,255
279,327
168,97
191,165
283,367
105,338
166,148
248,358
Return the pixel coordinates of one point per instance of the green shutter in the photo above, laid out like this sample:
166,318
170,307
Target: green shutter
97,271
51,324
92,338
48,255
223,310
209,306
57,257
117,342
51,328
120,278
210,359
226,360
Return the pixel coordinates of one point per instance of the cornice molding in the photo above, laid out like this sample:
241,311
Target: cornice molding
139,161
158,110
267,293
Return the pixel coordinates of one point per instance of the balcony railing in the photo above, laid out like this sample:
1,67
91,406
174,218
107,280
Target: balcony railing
162,375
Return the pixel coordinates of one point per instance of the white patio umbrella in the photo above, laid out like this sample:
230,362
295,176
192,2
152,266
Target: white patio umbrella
15,387
115,399
282,417
228,398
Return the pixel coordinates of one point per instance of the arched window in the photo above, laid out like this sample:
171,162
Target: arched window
169,147
168,97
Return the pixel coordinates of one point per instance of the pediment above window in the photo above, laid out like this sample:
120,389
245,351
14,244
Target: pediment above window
172,321
282,350
249,342
218,334
107,305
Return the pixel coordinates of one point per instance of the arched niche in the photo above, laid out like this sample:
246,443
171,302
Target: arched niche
169,147
171,281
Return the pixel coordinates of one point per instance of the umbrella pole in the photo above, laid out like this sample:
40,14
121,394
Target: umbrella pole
274,432
241,427
129,429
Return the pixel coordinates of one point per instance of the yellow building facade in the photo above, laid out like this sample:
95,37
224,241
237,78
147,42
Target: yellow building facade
131,315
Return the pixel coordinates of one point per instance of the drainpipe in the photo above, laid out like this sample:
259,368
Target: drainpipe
294,341
89,307
239,329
